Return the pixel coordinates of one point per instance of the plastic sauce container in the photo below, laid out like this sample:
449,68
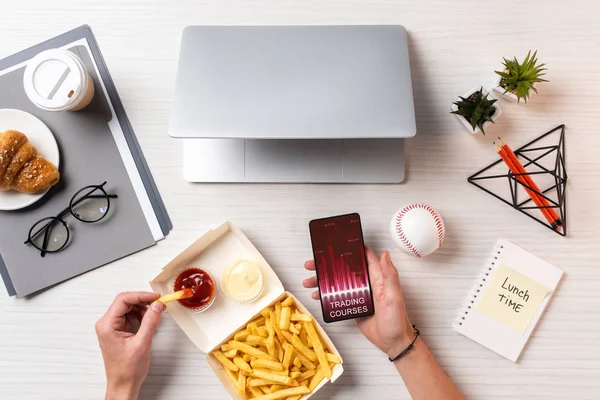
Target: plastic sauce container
57,80
243,281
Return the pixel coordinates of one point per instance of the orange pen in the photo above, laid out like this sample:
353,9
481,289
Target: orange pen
521,178
556,222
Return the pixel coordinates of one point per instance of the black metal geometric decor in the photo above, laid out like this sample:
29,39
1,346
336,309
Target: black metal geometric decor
544,160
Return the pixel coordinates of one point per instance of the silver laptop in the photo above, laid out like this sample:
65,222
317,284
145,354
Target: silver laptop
293,103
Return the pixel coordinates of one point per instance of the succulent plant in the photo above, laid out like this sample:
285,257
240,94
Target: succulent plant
520,78
477,109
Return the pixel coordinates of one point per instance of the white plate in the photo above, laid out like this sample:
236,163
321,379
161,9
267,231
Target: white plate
41,137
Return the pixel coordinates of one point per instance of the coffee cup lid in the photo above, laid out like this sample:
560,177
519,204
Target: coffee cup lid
55,80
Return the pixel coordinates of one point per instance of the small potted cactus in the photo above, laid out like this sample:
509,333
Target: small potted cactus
518,80
475,110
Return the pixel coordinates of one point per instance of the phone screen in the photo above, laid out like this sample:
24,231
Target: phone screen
341,264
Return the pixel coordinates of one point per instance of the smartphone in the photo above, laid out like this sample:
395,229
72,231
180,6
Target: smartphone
341,264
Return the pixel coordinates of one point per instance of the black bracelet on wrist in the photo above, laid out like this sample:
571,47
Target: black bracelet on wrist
409,348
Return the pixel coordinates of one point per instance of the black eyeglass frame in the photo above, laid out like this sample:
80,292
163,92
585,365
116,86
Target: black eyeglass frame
69,210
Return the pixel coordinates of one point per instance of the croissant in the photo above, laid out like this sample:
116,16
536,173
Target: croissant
21,167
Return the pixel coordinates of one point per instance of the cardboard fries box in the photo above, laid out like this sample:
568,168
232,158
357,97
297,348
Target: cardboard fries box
214,252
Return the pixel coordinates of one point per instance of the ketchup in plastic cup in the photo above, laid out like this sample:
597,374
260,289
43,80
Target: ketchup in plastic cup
201,283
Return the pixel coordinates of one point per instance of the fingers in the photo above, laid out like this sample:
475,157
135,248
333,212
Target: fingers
375,273
150,323
124,302
310,282
387,267
310,265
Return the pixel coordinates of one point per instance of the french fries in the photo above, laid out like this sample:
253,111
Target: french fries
321,356
266,364
279,355
285,393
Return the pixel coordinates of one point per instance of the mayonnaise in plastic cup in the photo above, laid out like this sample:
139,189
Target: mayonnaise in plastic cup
57,80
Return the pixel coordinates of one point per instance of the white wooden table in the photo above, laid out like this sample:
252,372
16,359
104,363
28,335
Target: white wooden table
48,348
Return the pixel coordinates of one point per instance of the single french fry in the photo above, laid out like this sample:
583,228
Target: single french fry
295,382
256,382
244,348
278,312
280,373
316,379
292,328
284,321
246,357
267,364
301,317
179,295
296,397
285,393
309,341
278,349
333,358
241,383
287,356
256,392
302,349
243,365
225,347
271,347
269,326
295,374
275,323
304,361
294,369
260,321
321,356
230,353
287,335
298,363
225,361
306,375
287,302
275,388
241,335
304,337
255,340
258,373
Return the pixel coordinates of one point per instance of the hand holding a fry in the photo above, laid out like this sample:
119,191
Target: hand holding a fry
389,328
126,352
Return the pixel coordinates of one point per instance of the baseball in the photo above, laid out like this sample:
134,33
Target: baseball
417,229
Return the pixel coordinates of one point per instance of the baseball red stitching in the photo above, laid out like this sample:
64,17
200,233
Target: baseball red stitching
436,219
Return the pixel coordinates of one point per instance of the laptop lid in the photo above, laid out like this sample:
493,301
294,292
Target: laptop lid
293,82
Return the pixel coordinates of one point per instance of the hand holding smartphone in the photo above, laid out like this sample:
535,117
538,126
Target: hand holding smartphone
341,266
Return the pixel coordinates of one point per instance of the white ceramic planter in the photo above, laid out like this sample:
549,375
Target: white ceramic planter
499,91
465,122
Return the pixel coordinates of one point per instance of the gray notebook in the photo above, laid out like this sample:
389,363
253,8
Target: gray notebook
89,155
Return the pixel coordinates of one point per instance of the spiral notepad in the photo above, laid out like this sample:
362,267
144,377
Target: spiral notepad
507,300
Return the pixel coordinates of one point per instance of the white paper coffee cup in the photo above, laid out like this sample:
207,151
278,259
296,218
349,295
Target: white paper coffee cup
57,80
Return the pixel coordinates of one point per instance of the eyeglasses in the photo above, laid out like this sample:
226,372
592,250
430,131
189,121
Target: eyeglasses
89,205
